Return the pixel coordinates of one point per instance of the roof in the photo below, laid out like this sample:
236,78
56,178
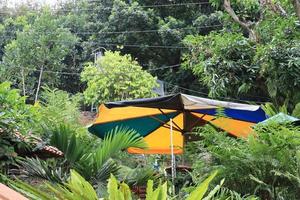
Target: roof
9,194
43,151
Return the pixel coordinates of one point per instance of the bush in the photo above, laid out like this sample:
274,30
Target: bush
266,164
14,112
15,115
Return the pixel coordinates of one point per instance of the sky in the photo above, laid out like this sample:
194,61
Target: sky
11,3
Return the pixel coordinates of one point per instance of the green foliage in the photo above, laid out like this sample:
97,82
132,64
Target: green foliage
116,77
116,140
56,107
76,188
137,176
296,111
266,164
118,191
48,170
8,29
93,163
15,115
223,61
199,192
159,193
271,110
64,138
282,70
48,44
256,54
13,111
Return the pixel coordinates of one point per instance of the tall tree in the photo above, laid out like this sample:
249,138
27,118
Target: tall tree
39,49
256,53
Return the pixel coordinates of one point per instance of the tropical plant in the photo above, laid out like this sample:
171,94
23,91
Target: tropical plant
137,176
14,112
118,191
15,116
57,106
265,165
78,188
271,110
94,163
49,170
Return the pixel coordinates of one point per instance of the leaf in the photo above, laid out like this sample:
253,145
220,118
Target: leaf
124,188
149,190
199,192
112,188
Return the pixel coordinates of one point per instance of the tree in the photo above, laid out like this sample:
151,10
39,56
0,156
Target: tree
116,77
256,53
41,47
141,24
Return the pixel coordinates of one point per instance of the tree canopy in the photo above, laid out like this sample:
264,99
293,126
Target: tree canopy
241,50
39,47
115,77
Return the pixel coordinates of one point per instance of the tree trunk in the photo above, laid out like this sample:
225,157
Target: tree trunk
23,81
39,84
296,4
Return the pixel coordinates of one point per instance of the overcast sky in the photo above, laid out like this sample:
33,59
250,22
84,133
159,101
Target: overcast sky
44,2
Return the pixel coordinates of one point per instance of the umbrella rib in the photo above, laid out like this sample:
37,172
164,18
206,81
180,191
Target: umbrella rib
178,128
164,123
201,118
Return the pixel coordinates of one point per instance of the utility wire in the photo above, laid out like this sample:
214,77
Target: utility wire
127,45
128,31
178,86
163,5
207,95
128,6
78,74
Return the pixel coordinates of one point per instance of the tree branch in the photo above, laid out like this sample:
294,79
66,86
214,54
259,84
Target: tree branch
246,26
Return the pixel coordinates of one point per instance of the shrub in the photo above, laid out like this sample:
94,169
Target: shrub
266,164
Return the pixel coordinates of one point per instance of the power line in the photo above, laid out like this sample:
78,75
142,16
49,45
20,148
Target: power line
178,86
130,31
127,6
207,95
78,74
136,45
165,67
126,45
163,5
143,46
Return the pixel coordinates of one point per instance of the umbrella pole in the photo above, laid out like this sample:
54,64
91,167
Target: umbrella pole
173,169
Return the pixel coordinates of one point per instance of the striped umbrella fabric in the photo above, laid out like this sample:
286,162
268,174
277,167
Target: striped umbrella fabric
150,117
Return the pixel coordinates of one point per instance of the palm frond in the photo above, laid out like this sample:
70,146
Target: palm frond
42,169
64,138
115,141
138,176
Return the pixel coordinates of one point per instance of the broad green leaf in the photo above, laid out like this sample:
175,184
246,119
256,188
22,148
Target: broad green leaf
199,192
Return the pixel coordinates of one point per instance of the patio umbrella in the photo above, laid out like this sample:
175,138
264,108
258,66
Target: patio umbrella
150,117
279,118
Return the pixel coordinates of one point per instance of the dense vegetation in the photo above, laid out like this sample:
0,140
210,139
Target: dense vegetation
56,62
245,50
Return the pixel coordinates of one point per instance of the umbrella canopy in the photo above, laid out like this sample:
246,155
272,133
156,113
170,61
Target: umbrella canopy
151,119
279,118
